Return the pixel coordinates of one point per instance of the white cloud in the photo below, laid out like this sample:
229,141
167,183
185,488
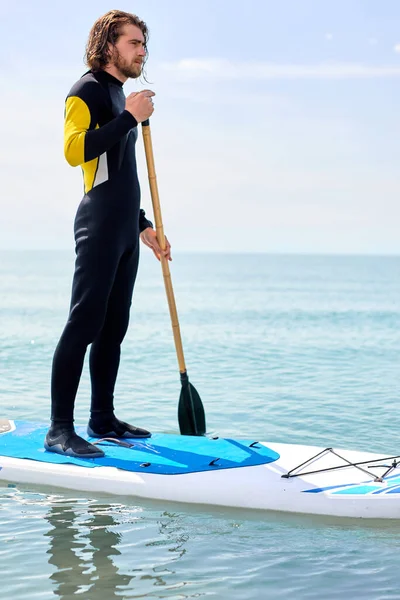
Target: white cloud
225,69
397,48
329,37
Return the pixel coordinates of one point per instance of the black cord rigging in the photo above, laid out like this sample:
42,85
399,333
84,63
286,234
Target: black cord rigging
377,478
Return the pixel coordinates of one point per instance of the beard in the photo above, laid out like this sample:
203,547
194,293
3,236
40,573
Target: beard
133,70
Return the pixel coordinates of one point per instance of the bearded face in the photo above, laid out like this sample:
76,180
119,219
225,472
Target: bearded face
129,52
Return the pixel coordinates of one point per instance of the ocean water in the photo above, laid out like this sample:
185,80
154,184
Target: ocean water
301,349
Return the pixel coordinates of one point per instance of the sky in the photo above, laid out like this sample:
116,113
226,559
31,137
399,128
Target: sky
276,124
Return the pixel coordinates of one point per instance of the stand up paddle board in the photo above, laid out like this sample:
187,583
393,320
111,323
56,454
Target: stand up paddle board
237,473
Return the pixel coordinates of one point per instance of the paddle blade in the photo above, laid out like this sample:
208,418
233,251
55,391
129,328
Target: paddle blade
191,417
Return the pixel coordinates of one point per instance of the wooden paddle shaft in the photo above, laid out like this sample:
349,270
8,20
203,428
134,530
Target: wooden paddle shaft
148,146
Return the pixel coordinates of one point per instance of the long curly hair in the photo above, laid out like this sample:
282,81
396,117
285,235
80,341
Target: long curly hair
107,30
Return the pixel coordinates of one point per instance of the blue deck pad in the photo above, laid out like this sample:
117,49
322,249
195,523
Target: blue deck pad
167,454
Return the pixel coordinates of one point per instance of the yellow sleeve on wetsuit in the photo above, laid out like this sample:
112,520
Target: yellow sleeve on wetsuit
76,125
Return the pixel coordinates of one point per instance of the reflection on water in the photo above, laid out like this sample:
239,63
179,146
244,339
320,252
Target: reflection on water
84,547
99,549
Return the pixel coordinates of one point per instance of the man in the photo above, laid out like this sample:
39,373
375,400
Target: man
101,128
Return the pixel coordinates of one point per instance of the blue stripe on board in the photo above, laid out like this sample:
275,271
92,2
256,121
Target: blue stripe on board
364,487
359,490
327,488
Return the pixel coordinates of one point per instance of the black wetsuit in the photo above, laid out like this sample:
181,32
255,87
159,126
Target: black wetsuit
100,136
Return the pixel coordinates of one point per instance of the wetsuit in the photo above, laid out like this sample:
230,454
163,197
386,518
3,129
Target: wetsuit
100,136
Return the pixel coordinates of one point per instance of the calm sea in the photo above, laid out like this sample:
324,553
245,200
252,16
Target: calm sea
300,349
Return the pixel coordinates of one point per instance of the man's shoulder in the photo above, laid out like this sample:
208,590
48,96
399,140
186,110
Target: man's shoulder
87,88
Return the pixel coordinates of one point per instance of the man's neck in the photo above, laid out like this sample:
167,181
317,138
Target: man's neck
112,70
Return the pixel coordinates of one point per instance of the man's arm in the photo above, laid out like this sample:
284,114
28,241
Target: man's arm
81,143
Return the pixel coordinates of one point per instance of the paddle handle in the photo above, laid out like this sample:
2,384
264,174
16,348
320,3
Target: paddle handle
148,147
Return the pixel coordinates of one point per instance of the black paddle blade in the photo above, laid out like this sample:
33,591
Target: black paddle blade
191,417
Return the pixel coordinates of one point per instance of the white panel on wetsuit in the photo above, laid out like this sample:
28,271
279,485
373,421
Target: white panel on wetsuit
102,170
